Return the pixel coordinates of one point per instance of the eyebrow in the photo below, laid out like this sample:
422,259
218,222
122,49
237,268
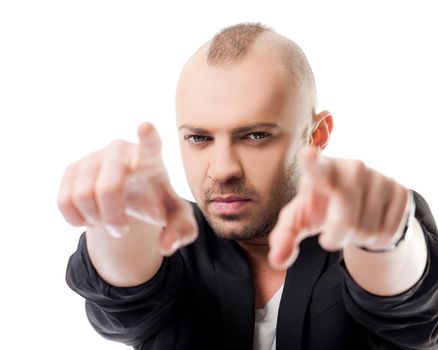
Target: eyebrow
239,130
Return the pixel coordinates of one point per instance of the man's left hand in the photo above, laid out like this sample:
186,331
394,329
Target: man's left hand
344,201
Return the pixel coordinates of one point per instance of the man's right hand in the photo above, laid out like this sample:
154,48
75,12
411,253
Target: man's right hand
123,195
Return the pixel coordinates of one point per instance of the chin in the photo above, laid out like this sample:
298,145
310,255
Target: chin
238,231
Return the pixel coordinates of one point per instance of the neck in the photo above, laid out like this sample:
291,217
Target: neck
256,253
266,280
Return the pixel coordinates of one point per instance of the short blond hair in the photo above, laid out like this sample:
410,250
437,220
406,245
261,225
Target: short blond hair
232,44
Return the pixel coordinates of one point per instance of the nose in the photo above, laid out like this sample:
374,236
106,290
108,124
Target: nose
224,164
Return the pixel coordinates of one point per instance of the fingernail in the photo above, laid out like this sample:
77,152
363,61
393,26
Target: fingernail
116,231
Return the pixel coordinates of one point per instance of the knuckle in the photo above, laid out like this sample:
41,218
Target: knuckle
108,189
391,181
64,202
401,191
368,229
69,173
91,158
117,145
366,224
68,211
393,187
363,234
358,170
344,220
87,160
74,220
388,230
384,188
71,168
82,195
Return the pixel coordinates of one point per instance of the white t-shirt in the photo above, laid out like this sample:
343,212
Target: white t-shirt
266,323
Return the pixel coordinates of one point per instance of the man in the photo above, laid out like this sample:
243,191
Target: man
158,272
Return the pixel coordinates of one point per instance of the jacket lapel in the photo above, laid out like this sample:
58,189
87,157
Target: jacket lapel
298,286
236,293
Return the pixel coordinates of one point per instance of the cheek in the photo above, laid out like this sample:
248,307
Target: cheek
263,168
194,168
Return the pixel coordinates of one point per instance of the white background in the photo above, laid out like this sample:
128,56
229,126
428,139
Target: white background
76,74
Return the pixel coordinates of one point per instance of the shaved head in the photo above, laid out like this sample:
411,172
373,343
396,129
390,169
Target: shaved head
232,44
245,105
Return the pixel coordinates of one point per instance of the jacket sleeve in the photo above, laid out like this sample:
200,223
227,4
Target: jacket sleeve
410,319
127,315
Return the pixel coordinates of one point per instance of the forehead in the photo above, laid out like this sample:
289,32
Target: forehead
255,89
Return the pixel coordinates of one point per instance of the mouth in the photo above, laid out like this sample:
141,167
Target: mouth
228,205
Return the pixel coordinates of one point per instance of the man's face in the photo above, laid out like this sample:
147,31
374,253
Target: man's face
240,128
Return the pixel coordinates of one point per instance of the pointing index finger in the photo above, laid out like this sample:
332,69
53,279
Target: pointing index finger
317,168
147,154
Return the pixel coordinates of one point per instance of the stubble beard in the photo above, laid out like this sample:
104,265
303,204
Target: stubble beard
261,221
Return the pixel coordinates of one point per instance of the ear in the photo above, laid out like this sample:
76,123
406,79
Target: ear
322,128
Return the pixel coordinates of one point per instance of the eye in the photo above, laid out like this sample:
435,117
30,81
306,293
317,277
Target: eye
196,138
258,135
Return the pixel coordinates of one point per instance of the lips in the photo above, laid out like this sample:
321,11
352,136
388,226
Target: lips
228,205
228,199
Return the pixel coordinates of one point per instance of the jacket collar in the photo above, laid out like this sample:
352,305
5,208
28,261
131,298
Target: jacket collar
300,280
